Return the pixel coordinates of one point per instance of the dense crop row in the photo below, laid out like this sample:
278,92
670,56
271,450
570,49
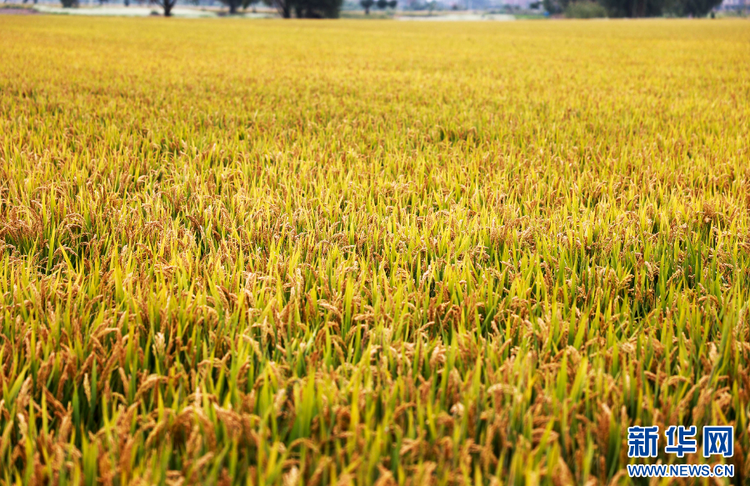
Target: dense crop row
321,253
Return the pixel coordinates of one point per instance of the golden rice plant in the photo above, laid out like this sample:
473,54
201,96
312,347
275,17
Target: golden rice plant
344,252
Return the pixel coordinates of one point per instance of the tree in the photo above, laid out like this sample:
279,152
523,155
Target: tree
247,3
367,4
633,8
384,4
556,6
233,5
68,3
697,8
284,7
317,9
308,9
167,5
643,8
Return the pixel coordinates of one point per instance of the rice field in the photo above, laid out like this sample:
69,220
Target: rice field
342,252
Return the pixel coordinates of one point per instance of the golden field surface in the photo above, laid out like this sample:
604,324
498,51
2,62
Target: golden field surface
349,252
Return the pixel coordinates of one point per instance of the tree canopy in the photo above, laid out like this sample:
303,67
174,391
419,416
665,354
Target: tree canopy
367,5
308,9
166,5
642,8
